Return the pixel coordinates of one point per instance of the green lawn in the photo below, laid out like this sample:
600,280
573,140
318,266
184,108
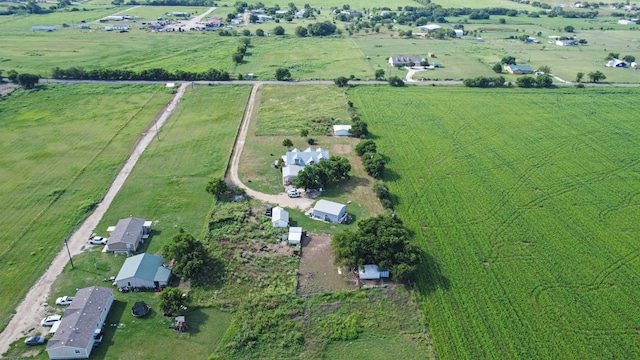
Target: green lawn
57,163
526,205
168,183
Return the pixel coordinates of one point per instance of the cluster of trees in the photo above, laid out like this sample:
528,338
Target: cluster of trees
323,173
325,28
485,82
30,7
382,192
173,301
78,73
374,162
291,10
26,80
382,240
238,56
627,58
193,261
217,187
395,81
359,128
283,74
541,81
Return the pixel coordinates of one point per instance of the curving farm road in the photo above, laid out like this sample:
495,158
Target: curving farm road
302,203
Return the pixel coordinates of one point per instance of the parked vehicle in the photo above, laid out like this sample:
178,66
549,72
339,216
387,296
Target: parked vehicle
64,301
98,240
269,210
35,340
50,320
293,193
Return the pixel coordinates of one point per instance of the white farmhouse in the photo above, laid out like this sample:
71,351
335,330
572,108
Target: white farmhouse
295,160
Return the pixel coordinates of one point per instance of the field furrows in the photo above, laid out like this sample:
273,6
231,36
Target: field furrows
526,212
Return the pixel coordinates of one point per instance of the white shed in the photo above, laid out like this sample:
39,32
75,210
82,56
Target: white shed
295,235
330,211
342,130
372,272
459,32
279,217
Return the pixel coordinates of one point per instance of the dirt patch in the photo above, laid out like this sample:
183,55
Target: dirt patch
30,353
7,88
341,149
317,272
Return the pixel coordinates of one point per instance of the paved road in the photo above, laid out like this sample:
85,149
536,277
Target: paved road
302,203
32,309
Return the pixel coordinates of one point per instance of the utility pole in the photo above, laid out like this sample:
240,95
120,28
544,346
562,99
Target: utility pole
69,252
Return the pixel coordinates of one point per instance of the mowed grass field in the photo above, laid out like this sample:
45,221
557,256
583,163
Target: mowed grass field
526,206
168,184
60,148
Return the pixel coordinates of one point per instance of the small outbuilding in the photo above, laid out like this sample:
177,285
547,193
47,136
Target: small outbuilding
615,63
459,32
143,271
372,272
330,211
342,130
295,235
279,217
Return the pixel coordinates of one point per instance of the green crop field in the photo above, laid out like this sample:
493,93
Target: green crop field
60,148
168,183
526,206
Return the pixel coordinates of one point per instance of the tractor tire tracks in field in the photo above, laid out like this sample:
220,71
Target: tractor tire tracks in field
28,314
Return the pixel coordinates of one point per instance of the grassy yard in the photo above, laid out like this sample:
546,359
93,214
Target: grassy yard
168,183
57,163
525,204
284,111
125,336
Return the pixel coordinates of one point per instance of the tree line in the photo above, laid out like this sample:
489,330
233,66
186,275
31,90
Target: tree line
78,73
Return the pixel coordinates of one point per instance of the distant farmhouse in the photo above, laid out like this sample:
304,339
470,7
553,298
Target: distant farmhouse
615,63
519,69
429,27
405,60
626,22
295,160
43,28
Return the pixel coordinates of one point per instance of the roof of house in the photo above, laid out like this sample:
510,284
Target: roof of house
616,62
406,59
279,214
127,231
305,157
291,170
144,266
329,207
430,27
80,319
295,233
520,67
368,269
337,128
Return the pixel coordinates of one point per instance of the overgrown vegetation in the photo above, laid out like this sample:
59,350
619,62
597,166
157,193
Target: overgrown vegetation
382,240
78,73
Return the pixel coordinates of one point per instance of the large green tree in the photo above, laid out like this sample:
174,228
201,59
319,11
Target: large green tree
596,76
28,81
366,146
193,261
323,173
217,187
283,74
173,301
382,240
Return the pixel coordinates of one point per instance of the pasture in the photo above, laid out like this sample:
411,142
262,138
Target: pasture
57,163
168,183
526,205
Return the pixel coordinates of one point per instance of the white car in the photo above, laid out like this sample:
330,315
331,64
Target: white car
64,301
98,240
50,320
293,193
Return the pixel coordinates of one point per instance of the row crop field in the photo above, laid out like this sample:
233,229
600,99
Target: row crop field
57,161
526,205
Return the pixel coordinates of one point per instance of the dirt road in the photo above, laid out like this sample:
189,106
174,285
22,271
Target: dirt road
302,203
33,308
